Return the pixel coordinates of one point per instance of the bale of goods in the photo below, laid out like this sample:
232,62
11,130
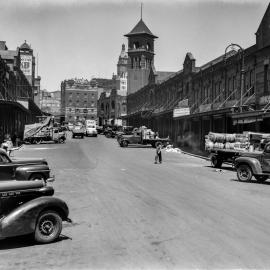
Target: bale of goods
209,144
230,138
218,145
229,145
243,138
217,137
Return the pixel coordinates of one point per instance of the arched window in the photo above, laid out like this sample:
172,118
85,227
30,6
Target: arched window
136,45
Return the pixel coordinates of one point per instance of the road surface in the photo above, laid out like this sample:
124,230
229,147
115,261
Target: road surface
129,213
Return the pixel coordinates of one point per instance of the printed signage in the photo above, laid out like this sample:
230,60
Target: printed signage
26,64
181,112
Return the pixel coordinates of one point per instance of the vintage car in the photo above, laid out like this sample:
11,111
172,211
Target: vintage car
23,169
78,131
27,207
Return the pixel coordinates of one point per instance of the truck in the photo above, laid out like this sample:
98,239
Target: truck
255,163
91,128
142,136
224,147
44,131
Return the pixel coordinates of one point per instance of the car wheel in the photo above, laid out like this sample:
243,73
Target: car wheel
37,176
48,227
157,144
244,173
124,143
216,162
261,178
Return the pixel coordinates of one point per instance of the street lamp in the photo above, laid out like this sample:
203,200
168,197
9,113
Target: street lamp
242,81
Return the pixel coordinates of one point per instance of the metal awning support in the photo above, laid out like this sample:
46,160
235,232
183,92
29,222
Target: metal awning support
243,96
227,98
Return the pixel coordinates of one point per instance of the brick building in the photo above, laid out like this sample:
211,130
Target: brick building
196,100
78,100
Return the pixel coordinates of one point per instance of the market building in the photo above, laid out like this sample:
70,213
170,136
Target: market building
17,106
78,100
229,94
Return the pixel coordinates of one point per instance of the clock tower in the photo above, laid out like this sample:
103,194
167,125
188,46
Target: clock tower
140,56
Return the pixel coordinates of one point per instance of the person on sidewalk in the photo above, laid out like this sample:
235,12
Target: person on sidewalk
158,157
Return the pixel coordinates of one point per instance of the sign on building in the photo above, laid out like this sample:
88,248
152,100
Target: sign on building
26,64
181,112
182,108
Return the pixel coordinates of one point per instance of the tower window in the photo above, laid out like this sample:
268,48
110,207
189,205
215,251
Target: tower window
136,45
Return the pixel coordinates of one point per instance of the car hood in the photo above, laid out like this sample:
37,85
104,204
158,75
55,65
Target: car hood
29,161
254,154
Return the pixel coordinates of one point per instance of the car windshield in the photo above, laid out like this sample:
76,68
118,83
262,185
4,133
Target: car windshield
4,159
77,127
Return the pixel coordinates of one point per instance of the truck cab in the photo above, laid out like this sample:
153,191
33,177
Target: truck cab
256,163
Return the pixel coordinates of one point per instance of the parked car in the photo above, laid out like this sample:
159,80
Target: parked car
99,129
23,169
70,126
28,208
78,131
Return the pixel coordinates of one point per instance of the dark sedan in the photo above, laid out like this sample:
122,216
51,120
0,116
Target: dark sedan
23,169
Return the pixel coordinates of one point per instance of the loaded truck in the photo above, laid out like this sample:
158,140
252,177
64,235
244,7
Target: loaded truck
224,147
143,136
44,131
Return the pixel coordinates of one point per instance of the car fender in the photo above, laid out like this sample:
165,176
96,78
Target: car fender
24,172
253,163
22,220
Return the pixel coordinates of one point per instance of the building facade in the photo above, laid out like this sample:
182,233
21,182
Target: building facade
50,102
112,103
78,100
17,106
224,95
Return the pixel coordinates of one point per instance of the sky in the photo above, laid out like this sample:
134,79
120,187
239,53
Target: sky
83,38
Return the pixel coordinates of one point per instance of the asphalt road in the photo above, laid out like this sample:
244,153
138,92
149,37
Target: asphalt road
129,213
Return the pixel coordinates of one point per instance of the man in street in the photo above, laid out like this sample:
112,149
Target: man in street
158,157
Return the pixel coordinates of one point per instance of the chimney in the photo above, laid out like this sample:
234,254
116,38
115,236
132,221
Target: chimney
3,46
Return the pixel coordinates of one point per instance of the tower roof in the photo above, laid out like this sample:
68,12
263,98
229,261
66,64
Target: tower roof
25,46
140,28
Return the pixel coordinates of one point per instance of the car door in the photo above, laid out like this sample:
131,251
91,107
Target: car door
6,168
266,159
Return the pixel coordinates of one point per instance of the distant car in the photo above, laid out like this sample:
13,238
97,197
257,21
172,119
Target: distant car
70,126
99,129
23,169
78,131
91,131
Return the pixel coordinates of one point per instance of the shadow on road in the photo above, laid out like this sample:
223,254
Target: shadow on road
251,182
24,241
224,168
136,146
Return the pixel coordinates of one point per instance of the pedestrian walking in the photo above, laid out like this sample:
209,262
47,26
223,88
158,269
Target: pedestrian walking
158,157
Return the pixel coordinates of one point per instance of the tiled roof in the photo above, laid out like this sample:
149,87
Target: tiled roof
140,28
163,76
8,54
